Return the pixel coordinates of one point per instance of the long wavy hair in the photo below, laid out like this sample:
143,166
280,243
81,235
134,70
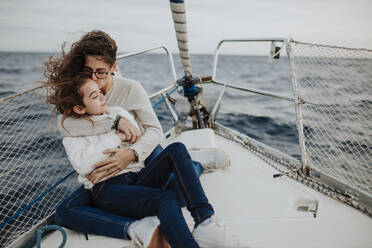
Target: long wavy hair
64,70
64,66
64,96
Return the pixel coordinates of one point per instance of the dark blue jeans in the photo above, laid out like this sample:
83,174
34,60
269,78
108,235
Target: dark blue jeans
78,213
142,194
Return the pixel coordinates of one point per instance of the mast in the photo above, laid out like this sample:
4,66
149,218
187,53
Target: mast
188,82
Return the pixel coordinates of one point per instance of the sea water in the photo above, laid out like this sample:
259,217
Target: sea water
267,119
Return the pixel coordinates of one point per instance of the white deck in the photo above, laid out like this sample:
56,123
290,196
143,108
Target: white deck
261,210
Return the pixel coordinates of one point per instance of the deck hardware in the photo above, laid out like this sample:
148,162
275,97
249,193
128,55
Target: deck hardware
310,207
274,51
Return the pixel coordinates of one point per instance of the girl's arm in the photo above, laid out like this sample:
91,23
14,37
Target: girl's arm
84,152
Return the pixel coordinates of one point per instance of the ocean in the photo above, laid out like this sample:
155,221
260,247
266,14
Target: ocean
269,120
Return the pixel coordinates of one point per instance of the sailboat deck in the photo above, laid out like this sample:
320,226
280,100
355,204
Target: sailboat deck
261,210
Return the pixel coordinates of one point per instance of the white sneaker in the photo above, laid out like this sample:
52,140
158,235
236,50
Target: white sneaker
214,234
146,233
210,158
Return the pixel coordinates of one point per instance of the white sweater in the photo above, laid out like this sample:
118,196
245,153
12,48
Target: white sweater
84,151
131,96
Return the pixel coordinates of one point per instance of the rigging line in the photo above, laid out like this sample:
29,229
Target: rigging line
161,100
34,201
260,92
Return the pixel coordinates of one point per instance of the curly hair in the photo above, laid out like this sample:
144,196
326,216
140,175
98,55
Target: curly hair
65,66
64,72
66,95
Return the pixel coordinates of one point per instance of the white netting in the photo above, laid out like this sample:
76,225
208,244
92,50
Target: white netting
32,160
336,85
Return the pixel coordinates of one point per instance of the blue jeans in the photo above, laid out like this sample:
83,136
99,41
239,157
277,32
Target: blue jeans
78,213
142,194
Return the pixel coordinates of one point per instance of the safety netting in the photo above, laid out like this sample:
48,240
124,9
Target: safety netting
333,87
35,174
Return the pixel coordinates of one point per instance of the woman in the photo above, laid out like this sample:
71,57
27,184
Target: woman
96,53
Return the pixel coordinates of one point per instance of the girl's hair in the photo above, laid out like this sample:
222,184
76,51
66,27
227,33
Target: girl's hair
66,95
65,66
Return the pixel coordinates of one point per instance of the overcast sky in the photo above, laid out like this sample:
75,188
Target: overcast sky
43,25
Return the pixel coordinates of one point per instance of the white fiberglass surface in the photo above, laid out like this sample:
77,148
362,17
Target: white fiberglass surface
261,210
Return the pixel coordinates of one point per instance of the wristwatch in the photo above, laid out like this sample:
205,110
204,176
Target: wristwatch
116,122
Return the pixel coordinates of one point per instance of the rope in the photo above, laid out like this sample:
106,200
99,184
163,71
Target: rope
34,201
40,233
161,100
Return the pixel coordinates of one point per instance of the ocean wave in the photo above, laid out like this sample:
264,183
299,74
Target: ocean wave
11,70
280,135
6,93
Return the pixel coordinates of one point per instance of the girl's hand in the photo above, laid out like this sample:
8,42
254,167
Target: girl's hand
131,132
120,158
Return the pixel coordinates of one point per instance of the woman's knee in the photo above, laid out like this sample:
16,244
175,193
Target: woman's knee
178,152
176,147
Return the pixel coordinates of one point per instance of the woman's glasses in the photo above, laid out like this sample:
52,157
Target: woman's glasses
100,73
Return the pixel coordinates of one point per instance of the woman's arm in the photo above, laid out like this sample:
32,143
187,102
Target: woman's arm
127,124
120,159
75,127
140,105
132,96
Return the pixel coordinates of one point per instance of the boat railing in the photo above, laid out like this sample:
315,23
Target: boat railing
330,85
339,182
216,53
273,53
162,47
165,92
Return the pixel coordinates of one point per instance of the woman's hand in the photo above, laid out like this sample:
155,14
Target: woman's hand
110,167
131,132
121,136
95,177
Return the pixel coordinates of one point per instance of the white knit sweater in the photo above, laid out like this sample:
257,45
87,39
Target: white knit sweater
84,151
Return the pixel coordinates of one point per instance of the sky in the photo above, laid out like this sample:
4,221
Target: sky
43,25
